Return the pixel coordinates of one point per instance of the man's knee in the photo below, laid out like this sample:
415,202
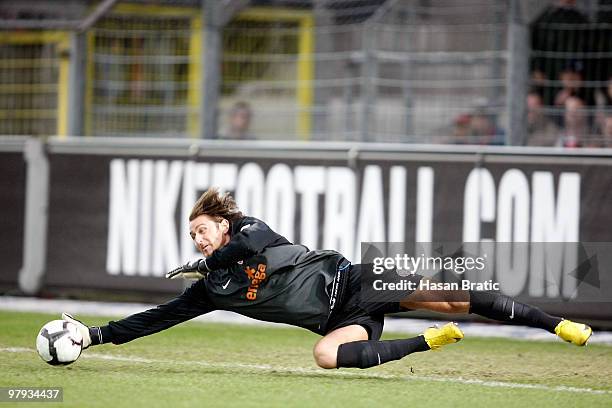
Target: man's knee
325,352
325,355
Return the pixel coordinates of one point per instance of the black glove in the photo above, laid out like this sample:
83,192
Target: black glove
193,270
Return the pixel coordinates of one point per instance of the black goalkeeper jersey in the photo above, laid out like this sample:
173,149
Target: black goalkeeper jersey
260,274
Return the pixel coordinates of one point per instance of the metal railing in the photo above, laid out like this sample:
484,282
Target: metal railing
407,71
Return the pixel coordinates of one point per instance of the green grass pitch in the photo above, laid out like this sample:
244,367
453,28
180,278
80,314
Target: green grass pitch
215,365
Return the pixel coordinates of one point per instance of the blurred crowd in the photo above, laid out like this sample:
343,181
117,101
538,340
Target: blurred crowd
569,103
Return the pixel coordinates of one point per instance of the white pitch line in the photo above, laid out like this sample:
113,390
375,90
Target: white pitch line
392,324
332,374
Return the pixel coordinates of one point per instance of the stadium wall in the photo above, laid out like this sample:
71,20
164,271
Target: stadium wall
117,210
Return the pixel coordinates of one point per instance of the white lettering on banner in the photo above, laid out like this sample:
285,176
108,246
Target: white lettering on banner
145,223
123,218
478,203
371,221
340,203
280,200
224,176
478,207
165,242
552,220
250,190
554,223
424,215
196,177
309,182
512,259
150,202
397,205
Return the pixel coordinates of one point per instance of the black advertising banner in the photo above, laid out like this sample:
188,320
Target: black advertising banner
12,206
119,222
78,230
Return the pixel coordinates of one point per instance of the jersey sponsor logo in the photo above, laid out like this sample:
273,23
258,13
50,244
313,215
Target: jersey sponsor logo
255,276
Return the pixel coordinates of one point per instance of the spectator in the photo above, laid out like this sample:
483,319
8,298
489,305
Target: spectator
539,83
571,79
462,129
484,130
576,131
541,130
239,122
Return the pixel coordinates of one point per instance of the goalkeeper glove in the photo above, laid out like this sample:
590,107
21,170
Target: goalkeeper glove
191,270
83,329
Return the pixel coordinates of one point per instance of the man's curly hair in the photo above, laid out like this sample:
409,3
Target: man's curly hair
216,205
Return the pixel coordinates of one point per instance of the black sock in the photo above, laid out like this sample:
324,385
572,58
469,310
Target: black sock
369,353
500,307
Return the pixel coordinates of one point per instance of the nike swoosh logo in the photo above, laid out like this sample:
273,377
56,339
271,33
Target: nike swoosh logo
378,358
512,314
226,283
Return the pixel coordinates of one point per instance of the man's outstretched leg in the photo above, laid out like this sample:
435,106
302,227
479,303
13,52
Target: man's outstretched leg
348,346
498,307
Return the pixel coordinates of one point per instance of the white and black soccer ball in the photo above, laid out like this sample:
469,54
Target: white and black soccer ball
59,342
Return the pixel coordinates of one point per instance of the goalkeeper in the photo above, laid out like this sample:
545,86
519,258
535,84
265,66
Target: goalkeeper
251,270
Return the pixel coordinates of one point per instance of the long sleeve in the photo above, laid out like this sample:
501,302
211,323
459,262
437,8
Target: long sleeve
191,303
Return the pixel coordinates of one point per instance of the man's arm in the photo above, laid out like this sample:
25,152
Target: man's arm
252,237
191,303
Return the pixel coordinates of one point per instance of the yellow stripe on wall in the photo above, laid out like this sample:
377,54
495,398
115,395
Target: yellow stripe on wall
63,49
305,76
89,84
274,14
154,10
194,78
31,37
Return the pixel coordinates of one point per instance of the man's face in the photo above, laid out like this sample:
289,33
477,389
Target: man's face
570,80
575,115
240,120
481,125
208,234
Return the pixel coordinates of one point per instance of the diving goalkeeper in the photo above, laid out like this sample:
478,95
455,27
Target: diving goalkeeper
250,269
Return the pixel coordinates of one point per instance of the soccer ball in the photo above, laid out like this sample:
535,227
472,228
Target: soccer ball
59,342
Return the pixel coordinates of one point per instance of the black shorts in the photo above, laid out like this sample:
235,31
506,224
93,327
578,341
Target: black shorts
352,310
